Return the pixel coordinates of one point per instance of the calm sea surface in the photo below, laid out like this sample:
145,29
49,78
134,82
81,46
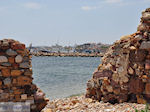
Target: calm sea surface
61,77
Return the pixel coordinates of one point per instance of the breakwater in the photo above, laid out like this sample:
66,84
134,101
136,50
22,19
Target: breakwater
69,54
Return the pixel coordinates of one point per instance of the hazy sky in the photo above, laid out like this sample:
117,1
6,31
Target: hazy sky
66,22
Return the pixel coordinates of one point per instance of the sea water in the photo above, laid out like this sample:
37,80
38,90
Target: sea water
61,77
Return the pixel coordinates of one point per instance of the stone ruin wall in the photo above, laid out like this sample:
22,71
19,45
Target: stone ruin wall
124,75
16,76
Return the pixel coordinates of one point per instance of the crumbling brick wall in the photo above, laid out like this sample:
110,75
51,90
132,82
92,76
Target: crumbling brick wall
16,76
124,75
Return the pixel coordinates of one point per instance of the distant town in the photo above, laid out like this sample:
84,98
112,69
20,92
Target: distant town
83,48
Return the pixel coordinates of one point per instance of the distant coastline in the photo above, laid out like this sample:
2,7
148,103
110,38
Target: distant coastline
69,54
83,50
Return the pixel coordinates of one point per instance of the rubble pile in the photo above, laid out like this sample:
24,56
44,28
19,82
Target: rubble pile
124,75
16,76
82,104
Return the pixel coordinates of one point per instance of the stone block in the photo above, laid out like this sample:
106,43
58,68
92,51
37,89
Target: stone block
6,64
24,96
24,65
105,73
146,16
136,86
14,81
5,72
18,59
11,52
11,60
147,65
4,96
17,46
17,98
7,81
28,73
3,59
0,83
17,91
147,90
23,80
145,45
16,73
141,100
15,66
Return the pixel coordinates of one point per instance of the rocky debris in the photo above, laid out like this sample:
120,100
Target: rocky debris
16,76
123,75
82,104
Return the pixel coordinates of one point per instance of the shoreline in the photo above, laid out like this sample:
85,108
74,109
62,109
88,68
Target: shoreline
69,54
82,104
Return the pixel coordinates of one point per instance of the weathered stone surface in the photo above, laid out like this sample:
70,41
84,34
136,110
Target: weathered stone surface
28,73
17,46
24,96
3,59
130,71
39,95
23,80
147,90
147,64
11,52
24,65
17,91
136,56
4,96
26,59
16,72
16,76
146,16
0,83
124,72
106,73
90,84
6,64
145,45
11,60
5,72
141,100
15,66
18,59
136,86
14,81
7,81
